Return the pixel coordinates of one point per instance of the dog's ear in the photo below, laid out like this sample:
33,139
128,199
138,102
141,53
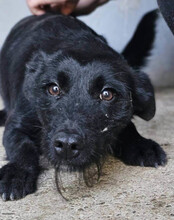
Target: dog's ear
143,96
36,62
33,68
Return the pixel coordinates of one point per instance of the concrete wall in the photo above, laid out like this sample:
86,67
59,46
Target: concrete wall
117,21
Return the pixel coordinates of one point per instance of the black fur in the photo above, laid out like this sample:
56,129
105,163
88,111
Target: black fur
62,50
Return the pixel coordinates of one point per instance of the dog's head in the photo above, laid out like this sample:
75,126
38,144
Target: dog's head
83,104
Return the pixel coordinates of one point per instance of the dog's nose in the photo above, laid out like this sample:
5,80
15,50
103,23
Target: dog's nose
67,145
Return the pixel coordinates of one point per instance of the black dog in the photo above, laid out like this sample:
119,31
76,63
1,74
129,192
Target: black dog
69,95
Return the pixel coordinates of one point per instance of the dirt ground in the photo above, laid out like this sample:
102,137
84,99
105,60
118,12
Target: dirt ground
123,192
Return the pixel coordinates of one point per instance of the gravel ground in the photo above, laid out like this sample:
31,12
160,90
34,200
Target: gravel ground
123,192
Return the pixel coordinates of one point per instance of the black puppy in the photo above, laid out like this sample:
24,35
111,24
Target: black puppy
69,95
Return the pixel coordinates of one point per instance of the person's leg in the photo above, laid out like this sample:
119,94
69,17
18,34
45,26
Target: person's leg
167,10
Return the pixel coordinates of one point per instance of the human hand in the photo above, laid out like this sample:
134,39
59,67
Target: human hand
39,7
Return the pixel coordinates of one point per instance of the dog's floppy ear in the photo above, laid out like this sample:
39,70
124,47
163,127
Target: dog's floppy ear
33,69
36,62
143,96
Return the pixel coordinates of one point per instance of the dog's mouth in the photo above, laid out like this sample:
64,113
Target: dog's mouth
88,163
76,151
79,161
78,154
81,157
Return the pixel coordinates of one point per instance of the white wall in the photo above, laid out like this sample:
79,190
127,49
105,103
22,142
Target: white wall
11,11
117,21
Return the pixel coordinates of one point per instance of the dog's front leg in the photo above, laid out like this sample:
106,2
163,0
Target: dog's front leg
133,149
19,177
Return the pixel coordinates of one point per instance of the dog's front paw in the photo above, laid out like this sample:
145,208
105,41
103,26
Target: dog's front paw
16,182
144,152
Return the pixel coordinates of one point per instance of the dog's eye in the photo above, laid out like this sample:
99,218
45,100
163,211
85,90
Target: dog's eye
54,90
106,95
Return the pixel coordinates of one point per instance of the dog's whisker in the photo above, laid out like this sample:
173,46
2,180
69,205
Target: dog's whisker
58,182
89,177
